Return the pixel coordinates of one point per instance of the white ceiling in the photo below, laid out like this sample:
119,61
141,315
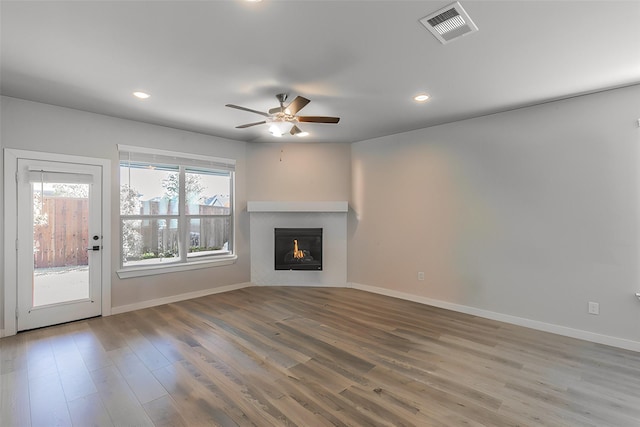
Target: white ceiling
359,60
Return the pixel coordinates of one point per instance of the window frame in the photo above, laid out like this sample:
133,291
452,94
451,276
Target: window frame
184,262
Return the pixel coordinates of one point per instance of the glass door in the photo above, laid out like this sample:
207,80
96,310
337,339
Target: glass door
59,242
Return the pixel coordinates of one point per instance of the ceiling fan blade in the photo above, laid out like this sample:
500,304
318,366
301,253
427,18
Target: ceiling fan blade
250,124
237,107
297,105
318,119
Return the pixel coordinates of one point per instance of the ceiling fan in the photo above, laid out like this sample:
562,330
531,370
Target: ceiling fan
282,119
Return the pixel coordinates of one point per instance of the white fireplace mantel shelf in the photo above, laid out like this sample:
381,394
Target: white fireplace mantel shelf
274,206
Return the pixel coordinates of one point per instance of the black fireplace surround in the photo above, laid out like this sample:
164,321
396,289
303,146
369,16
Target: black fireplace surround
298,249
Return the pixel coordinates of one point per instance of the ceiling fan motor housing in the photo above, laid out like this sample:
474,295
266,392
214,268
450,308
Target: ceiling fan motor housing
282,116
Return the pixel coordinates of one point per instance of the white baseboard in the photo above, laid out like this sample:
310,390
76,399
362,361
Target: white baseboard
514,320
306,285
176,298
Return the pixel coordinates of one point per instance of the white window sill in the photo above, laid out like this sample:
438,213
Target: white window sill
139,271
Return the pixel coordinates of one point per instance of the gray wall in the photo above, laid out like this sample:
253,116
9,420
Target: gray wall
298,172
529,213
39,127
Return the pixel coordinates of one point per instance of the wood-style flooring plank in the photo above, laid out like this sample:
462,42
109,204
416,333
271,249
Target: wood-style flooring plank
140,380
15,409
118,398
89,411
47,401
163,413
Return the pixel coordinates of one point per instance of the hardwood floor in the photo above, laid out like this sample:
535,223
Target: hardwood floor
310,357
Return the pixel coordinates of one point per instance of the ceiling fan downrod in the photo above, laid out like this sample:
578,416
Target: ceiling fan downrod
282,97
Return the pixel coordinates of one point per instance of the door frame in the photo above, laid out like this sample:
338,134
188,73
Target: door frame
11,157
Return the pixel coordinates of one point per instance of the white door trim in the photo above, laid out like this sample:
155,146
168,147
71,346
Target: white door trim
11,157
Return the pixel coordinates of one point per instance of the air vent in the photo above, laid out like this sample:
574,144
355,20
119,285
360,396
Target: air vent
449,23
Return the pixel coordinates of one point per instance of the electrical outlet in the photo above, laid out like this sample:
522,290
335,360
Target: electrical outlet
420,275
594,308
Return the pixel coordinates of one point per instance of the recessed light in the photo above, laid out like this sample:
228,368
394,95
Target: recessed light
141,95
423,97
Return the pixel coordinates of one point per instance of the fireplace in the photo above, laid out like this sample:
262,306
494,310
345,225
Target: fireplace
265,216
298,249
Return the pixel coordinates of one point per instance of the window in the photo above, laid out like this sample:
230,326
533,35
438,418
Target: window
176,210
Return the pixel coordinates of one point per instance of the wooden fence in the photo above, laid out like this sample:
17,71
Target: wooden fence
63,237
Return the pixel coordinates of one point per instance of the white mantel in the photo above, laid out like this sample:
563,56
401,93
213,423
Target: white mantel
273,206
265,216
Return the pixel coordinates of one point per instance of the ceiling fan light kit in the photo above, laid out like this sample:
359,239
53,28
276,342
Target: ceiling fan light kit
278,129
283,119
296,131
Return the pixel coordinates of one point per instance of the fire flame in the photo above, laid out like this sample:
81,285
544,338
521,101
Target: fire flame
297,254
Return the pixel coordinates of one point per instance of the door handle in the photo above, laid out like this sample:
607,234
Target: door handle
94,248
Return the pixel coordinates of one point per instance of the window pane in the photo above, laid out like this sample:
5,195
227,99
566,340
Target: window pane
207,192
148,189
149,241
60,240
208,236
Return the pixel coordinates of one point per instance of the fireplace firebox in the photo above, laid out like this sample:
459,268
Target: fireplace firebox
298,249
